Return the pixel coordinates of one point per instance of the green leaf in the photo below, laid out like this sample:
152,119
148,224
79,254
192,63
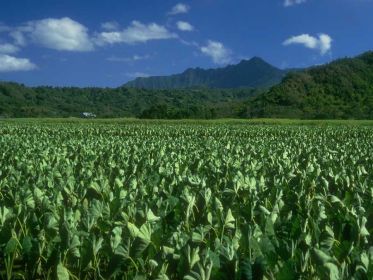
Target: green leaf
96,244
52,223
94,192
122,251
134,231
74,246
26,245
38,193
133,183
209,218
118,183
162,276
142,241
4,213
62,272
335,199
11,246
193,256
192,277
168,250
218,204
197,237
363,230
264,210
287,271
116,237
333,271
321,257
246,271
229,220
153,264
327,239
145,232
151,217
365,260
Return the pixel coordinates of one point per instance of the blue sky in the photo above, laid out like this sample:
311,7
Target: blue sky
108,42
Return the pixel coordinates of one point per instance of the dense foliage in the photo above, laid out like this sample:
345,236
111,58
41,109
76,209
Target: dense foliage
19,101
340,90
185,201
248,73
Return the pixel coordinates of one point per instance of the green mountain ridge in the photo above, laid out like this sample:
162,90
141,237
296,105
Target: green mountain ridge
342,89
251,73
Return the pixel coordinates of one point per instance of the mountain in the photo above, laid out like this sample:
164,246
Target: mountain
340,89
252,73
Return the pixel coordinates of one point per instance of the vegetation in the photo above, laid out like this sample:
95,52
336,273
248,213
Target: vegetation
254,73
342,89
19,101
185,200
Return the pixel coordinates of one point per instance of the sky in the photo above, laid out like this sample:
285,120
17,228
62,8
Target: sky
106,43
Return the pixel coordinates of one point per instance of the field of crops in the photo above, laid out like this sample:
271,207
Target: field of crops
185,201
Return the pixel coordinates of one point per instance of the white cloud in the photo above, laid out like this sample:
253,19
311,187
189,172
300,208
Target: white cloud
217,51
304,39
18,37
184,26
322,43
140,57
289,3
128,59
62,34
110,25
8,48
325,43
137,32
190,43
11,64
179,9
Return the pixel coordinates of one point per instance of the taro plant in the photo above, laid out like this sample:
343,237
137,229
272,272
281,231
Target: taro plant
185,201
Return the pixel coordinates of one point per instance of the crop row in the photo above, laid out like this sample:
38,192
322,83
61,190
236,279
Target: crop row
158,201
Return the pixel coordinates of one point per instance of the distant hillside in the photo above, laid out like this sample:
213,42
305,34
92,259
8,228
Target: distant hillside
252,73
341,89
17,100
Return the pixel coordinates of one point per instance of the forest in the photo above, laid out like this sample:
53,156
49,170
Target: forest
342,89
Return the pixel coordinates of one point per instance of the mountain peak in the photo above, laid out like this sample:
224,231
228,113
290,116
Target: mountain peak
255,72
255,60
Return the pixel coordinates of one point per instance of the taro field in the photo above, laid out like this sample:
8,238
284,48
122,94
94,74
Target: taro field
192,201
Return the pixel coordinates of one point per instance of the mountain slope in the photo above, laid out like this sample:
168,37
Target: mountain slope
341,89
248,73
